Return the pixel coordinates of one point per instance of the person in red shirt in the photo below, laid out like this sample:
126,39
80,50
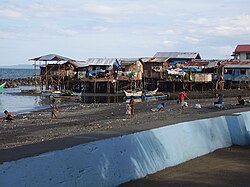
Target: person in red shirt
8,116
182,96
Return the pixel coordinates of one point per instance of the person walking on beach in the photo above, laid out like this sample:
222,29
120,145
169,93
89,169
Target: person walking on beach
131,104
8,116
182,96
53,108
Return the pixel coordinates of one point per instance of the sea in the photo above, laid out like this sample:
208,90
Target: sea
11,100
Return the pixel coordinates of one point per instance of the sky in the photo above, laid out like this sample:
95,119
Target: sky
81,29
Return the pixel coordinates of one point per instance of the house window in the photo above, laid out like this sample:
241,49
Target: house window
248,56
243,72
228,71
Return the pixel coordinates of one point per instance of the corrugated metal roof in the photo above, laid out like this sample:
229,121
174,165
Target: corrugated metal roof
243,48
78,64
128,61
181,55
51,57
236,64
100,61
197,63
206,63
154,59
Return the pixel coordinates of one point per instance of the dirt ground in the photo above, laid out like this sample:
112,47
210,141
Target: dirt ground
225,167
82,119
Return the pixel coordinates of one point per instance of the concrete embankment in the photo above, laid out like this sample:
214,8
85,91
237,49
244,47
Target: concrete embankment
117,160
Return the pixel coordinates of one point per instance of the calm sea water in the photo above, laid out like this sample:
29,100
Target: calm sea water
16,73
15,103
11,101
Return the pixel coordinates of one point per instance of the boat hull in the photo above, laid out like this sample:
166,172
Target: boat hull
2,87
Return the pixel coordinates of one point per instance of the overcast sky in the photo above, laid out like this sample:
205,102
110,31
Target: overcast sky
80,29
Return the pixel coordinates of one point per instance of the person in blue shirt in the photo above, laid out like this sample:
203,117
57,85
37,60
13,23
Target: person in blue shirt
160,107
220,99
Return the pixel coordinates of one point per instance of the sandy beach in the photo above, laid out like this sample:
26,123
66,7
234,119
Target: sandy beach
224,167
109,118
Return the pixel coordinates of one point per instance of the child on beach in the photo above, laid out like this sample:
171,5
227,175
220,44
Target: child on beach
131,104
8,116
182,96
128,109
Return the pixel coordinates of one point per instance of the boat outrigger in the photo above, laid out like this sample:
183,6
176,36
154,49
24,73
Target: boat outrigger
2,87
146,95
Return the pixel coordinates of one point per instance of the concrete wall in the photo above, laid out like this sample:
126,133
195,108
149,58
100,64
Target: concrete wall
116,160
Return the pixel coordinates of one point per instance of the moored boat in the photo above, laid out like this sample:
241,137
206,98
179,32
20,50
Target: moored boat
61,94
137,94
2,87
146,95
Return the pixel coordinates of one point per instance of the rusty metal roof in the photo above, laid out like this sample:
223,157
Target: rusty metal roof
128,61
197,63
154,59
236,64
243,48
178,55
205,63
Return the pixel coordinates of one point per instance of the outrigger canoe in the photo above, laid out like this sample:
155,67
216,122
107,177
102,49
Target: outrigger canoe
138,94
146,95
2,87
135,93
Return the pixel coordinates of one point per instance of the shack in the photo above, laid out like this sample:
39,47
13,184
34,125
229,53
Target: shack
52,72
154,70
73,72
130,73
236,74
101,75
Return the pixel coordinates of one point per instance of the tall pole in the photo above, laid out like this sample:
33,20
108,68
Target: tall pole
46,75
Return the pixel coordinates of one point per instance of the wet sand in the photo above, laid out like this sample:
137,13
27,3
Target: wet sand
225,167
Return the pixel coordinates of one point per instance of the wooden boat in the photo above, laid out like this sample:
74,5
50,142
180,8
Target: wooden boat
2,87
61,94
137,94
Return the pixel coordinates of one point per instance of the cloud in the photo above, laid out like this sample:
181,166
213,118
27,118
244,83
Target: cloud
56,29
99,29
118,9
168,43
223,50
226,26
167,32
10,13
192,40
8,35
